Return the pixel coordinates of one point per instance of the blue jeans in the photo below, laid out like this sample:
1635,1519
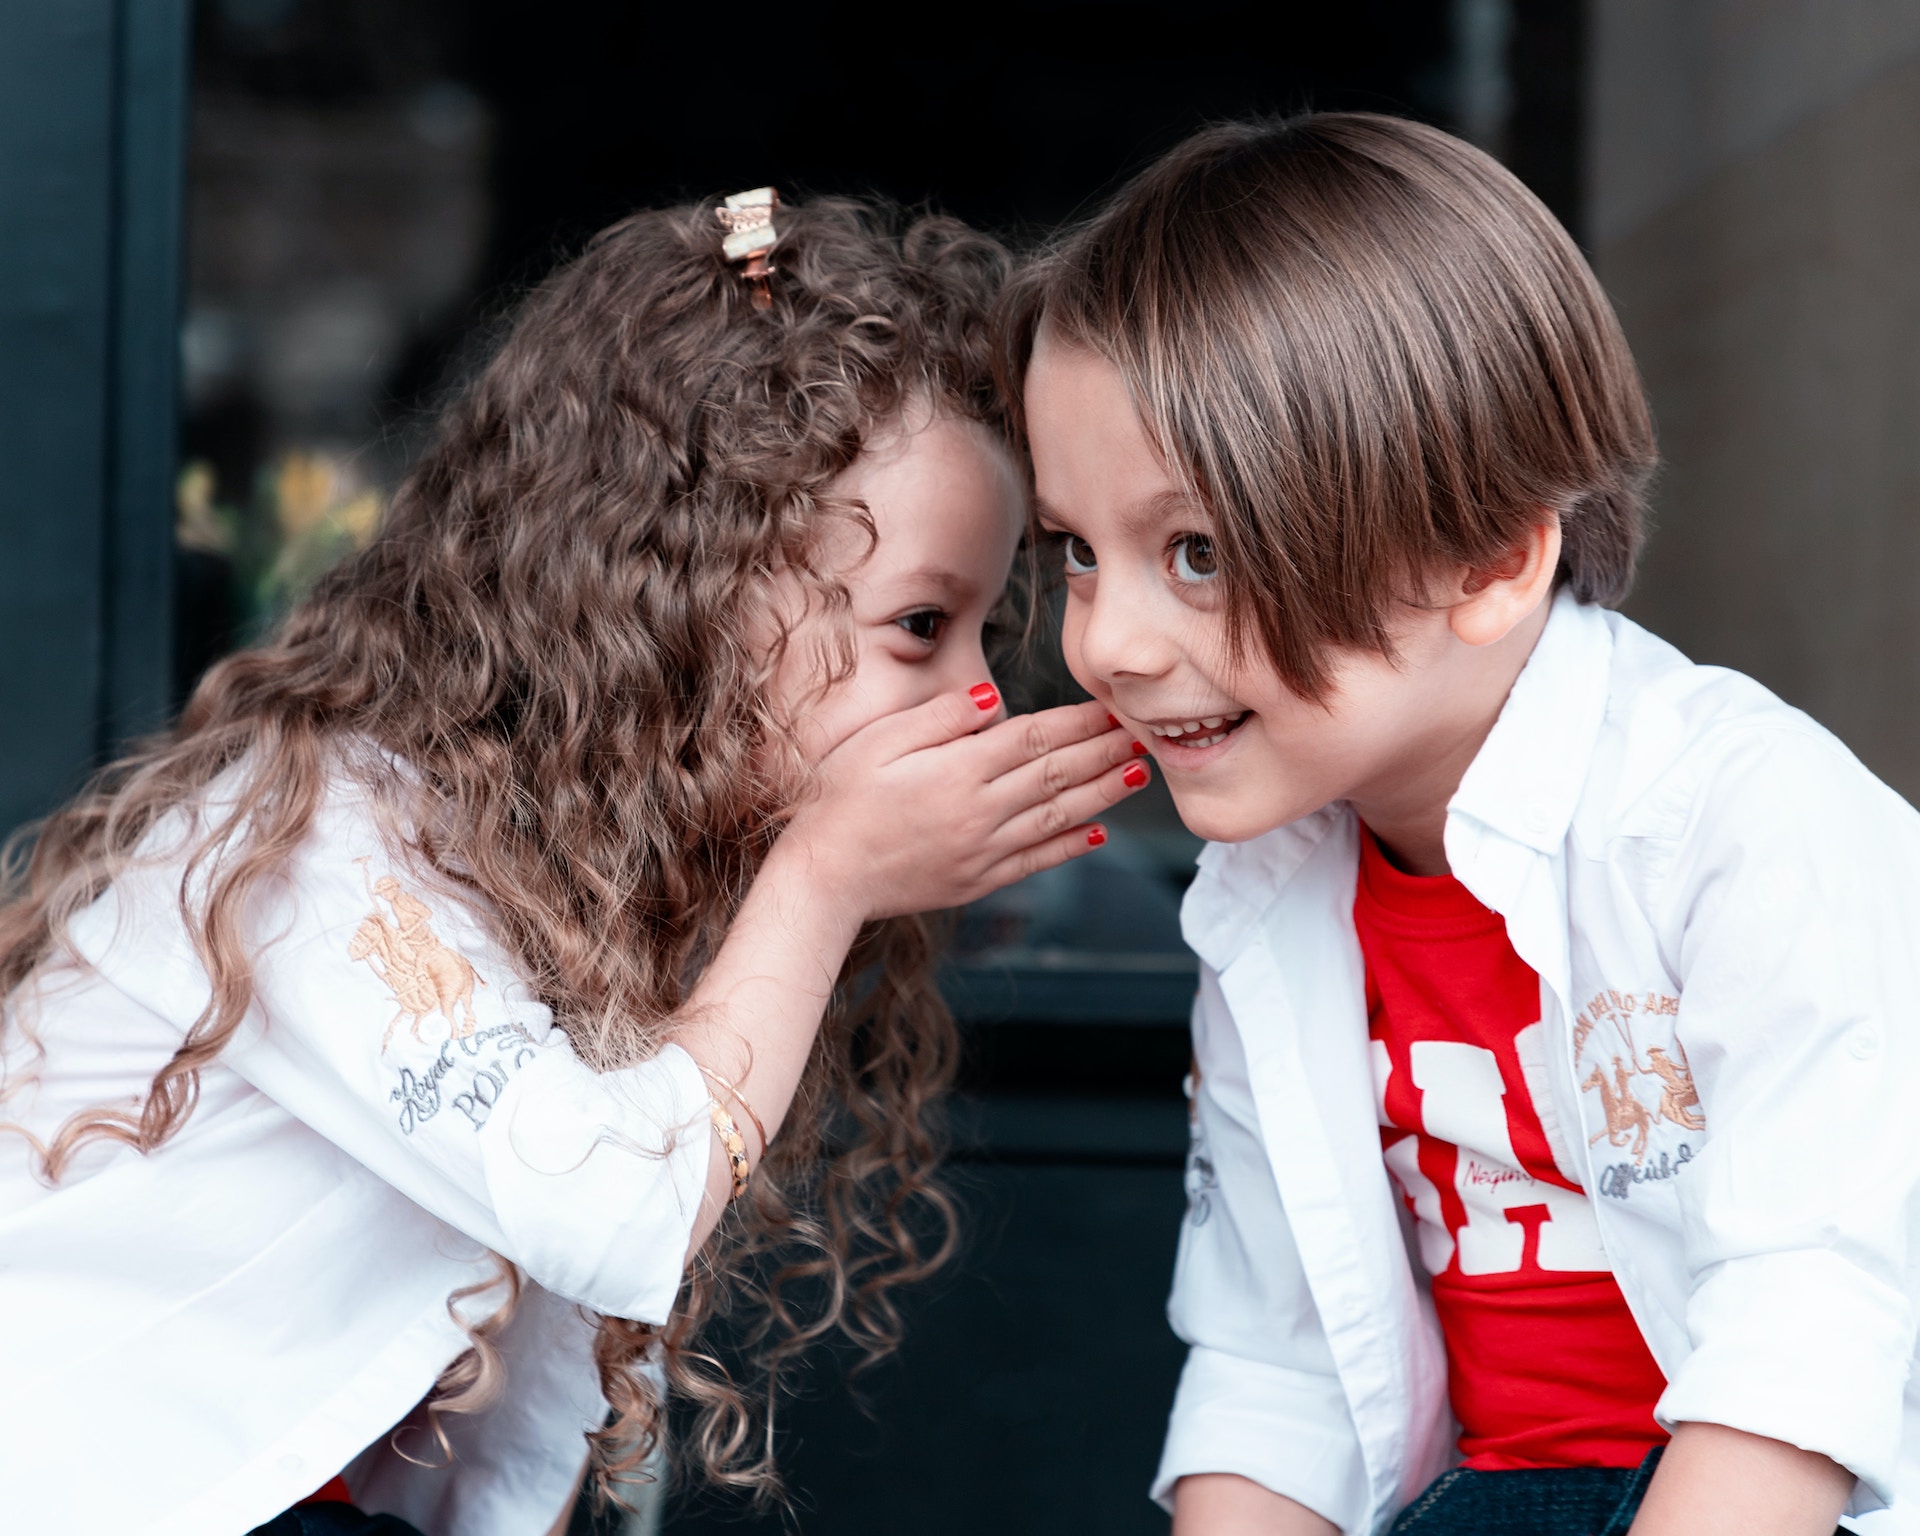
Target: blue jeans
1545,1501
332,1520
1548,1501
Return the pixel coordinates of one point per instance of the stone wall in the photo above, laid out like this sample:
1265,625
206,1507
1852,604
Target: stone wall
1753,204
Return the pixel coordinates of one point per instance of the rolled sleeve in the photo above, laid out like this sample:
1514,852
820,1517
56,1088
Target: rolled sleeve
1287,1430
1801,1347
389,1019
596,1179
1260,1396
1796,902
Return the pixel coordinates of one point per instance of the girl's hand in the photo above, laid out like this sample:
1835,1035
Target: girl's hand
918,810
925,809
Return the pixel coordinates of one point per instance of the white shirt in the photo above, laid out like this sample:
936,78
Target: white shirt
198,1338
1693,869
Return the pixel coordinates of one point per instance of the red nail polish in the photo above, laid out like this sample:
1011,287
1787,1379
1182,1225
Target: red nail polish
1134,777
1139,749
1113,722
1096,836
984,694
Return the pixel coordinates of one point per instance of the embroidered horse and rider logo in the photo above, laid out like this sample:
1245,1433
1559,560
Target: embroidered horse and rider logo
1679,1099
423,974
1627,1118
1629,1121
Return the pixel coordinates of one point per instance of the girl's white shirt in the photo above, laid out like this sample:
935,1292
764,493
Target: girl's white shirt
200,1337
1708,885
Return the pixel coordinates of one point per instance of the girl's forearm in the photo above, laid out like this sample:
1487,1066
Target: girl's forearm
1715,1481
752,1018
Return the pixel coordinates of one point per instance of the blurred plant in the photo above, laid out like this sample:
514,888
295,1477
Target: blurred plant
308,511
322,517
199,524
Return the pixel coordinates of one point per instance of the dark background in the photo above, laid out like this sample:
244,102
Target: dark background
360,190
328,204
334,201
1032,1390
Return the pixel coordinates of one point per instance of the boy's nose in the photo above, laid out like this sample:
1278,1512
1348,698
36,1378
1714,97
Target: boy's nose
1115,636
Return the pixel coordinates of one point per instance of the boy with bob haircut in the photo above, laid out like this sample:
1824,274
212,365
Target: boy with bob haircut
1555,1057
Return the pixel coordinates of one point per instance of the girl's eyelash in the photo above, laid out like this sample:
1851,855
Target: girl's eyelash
923,624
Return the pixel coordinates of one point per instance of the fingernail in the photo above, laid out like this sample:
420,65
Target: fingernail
1139,749
1096,836
984,694
1113,722
1135,776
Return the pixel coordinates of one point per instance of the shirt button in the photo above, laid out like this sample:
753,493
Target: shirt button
1864,1041
291,1462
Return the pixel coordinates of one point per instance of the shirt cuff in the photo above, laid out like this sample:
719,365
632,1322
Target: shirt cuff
1287,1430
1803,1347
597,1178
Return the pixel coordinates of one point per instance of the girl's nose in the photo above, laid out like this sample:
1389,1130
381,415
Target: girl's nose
965,665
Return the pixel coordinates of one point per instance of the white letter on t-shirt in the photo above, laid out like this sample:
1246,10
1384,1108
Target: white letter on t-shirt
1463,1100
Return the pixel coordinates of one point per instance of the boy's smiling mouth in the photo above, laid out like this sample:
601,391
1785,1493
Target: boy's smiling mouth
1207,731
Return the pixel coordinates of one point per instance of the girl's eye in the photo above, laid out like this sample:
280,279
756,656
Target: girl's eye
923,624
1078,554
1194,559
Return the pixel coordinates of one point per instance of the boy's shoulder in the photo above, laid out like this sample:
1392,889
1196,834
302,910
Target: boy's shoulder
1687,750
1651,684
1669,768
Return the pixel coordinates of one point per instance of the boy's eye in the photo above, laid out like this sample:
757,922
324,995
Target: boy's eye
923,624
1194,559
1078,554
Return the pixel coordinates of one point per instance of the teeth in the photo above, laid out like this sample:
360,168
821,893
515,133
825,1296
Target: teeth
1192,728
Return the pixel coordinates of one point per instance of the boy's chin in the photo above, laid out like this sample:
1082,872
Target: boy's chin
1228,818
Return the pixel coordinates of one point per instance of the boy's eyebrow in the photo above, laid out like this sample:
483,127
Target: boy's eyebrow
1163,507
1142,516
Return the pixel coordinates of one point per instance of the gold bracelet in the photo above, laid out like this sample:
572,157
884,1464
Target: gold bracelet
736,1146
717,1081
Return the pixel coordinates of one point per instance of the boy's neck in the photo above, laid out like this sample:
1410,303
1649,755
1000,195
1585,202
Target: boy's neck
1407,810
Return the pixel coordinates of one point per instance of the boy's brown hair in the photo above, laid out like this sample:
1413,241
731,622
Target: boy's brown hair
1373,356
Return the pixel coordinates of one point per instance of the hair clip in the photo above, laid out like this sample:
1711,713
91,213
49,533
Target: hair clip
747,218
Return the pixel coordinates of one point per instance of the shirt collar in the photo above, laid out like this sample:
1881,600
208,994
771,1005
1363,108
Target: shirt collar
1525,781
1239,881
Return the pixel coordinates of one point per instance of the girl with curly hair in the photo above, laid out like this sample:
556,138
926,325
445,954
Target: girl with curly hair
384,1045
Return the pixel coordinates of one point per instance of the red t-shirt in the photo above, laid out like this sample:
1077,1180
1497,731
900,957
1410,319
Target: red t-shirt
1545,1365
335,1492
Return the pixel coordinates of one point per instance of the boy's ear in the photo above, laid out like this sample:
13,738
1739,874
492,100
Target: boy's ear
1493,602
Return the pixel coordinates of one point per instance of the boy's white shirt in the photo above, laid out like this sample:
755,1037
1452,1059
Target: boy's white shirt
1690,865
198,1338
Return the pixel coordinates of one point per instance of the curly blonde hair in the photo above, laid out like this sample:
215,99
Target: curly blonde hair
554,629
